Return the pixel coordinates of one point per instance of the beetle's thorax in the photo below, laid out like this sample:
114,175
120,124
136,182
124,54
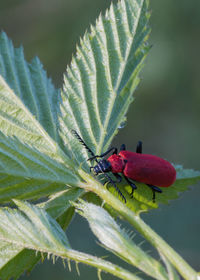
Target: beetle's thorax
103,166
117,163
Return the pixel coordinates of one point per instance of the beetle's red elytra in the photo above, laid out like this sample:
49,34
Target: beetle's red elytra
148,169
151,170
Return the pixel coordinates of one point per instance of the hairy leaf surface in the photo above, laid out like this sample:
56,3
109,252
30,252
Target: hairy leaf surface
32,164
99,83
30,83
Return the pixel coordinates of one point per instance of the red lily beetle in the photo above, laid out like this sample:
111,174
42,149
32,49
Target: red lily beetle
151,170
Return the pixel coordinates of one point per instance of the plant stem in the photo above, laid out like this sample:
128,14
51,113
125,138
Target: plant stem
179,263
100,264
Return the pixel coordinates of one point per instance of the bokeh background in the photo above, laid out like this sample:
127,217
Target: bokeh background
165,114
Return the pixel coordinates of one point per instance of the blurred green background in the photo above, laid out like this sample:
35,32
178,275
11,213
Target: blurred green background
165,114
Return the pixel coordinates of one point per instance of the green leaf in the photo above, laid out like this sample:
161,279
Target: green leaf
31,158
66,218
25,188
99,84
118,241
57,204
19,159
32,228
30,83
28,117
32,164
16,120
19,259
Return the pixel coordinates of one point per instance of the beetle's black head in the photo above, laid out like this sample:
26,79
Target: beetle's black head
102,167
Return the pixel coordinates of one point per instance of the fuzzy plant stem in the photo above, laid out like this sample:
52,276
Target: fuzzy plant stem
98,263
177,261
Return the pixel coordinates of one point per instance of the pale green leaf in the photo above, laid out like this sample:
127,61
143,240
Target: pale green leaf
26,188
22,160
24,233
14,259
31,158
16,120
118,241
99,84
31,227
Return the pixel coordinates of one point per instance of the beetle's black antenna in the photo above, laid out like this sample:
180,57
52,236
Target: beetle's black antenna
83,143
95,158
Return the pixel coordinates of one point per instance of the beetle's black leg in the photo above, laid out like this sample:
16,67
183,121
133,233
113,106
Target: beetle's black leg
104,154
94,174
154,190
119,178
139,147
91,167
110,181
133,186
123,147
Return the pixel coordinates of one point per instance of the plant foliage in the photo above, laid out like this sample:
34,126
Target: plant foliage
39,156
